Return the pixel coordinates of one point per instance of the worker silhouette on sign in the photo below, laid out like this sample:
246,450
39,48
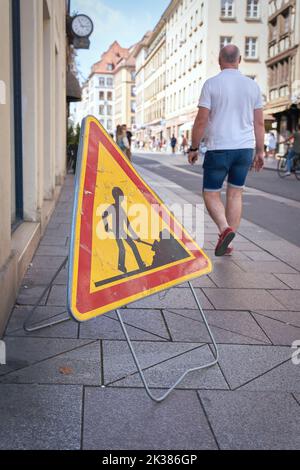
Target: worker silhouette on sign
122,230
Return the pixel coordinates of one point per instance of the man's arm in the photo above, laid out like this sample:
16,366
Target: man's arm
259,130
199,128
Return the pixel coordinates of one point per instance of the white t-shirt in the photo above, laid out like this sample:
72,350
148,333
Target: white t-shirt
232,99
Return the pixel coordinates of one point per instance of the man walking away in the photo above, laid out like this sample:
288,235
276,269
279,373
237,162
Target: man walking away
231,118
173,143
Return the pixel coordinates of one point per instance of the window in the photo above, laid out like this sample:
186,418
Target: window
101,110
252,8
133,90
133,106
286,20
109,124
101,81
132,75
251,48
224,41
227,8
101,95
109,110
109,81
109,96
17,155
109,67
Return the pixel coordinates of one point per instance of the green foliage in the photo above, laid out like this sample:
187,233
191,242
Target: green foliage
73,135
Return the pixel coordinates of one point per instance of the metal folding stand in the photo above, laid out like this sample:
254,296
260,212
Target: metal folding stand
51,322
204,366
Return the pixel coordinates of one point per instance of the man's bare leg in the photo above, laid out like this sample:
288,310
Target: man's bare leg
234,204
216,209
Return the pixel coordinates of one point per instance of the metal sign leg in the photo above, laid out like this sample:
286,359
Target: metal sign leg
50,322
204,366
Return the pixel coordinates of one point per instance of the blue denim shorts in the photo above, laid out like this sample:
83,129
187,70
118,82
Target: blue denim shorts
218,164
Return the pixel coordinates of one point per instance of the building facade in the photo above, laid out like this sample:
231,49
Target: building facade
284,64
151,83
125,91
194,31
98,97
33,117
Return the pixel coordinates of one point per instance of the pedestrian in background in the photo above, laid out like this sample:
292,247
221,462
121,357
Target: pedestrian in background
122,140
271,145
173,143
128,136
230,116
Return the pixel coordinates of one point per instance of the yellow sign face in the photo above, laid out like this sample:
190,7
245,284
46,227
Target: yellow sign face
125,243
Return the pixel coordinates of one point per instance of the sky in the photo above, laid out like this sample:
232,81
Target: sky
123,20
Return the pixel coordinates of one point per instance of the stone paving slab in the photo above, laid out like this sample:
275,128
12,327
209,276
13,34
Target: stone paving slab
58,295
203,281
242,363
248,281
54,241
127,419
266,267
284,378
292,280
243,299
259,255
38,276
47,262
177,297
227,327
147,325
23,352
79,366
149,354
29,295
290,299
68,329
52,250
166,373
285,251
278,328
38,417
253,420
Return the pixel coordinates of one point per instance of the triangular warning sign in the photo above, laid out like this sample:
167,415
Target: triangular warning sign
125,244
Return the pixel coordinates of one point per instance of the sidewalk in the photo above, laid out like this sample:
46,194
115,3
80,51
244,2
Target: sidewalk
75,386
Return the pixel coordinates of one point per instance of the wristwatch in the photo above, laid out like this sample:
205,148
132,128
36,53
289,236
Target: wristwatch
191,149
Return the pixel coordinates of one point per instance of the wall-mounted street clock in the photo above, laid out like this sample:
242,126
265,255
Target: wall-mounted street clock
82,26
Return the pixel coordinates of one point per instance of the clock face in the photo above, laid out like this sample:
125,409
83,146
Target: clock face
82,26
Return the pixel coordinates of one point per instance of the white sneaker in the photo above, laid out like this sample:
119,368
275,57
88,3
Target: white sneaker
287,173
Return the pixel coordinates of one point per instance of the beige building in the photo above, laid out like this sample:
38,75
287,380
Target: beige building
151,83
32,131
194,31
125,91
284,64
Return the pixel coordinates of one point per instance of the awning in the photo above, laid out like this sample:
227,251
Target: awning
276,109
73,88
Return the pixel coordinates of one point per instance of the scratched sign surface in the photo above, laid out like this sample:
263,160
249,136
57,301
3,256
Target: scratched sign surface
125,244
